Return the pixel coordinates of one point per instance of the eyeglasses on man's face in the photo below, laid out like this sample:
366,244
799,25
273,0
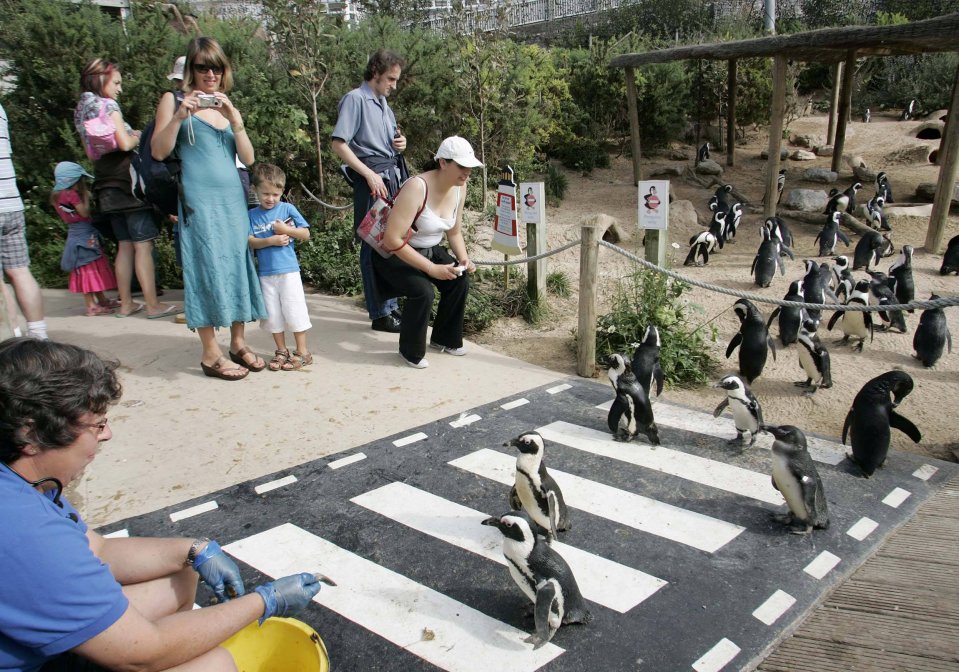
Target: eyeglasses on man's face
203,68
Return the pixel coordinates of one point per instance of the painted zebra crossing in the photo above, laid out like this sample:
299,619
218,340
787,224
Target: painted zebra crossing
674,546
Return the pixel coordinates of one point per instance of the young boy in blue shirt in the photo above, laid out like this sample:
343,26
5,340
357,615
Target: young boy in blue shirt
274,227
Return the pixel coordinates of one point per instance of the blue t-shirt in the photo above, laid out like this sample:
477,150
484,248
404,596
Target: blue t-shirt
55,594
274,260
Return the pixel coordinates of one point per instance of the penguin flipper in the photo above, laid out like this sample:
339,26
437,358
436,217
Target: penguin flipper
779,262
705,255
867,320
659,377
835,318
616,411
786,249
754,404
552,505
514,501
949,341
719,409
905,425
733,344
842,236
772,345
546,614
845,425
752,269
772,315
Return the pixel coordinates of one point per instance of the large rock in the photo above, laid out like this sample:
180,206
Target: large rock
927,192
915,154
709,167
908,210
677,154
807,200
783,153
806,140
683,216
824,150
802,155
821,175
864,174
666,171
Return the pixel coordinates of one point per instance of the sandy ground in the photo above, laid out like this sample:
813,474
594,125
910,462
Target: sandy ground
883,145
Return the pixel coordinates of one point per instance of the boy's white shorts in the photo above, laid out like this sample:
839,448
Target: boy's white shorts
285,303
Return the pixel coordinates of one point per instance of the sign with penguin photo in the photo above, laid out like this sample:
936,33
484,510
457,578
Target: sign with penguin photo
654,204
532,202
505,230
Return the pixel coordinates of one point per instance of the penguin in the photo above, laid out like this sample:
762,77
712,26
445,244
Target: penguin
950,259
815,287
542,574
855,323
703,153
872,247
875,215
883,188
838,200
733,218
722,198
700,246
866,116
777,227
617,365
767,260
901,270
752,339
830,235
718,226
534,490
814,360
842,279
871,419
850,193
908,111
932,335
795,476
780,186
646,365
747,413
789,318
883,288
631,412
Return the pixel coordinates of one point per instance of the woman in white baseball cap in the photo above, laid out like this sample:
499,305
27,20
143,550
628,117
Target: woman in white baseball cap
428,207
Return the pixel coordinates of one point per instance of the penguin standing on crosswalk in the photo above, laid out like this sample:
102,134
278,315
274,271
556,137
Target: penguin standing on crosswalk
646,364
814,360
795,476
871,419
747,413
752,339
534,490
542,574
790,318
631,412
854,322
617,365
932,335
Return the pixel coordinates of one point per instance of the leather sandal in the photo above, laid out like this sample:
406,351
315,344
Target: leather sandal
280,358
237,358
298,361
216,370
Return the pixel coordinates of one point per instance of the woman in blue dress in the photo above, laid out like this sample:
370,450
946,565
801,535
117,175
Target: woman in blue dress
207,134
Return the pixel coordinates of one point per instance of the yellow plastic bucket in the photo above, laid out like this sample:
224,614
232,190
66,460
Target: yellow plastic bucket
279,645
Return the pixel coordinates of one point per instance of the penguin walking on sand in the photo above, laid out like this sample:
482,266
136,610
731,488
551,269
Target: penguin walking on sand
830,235
883,187
814,360
767,260
631,412
542,574
718,226
842,278
703,153
789,318
815,287
950,258
866,116
722,198
795,476
872,247
875,215
700,247
778,229
733,218
646,364
752,339
932,335
855,323
838,201
747,413
780,186
534,490
909,111
850,193
884,289
901,270
871,419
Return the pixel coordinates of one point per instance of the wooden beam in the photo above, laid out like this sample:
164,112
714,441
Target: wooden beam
590,234
731,113
950,116
775,133
633,124
842,116
949,153
834,102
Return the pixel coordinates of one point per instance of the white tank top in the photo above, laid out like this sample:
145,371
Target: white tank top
430,227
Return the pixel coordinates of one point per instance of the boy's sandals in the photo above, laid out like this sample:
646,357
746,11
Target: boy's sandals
96,310
284,361
280,359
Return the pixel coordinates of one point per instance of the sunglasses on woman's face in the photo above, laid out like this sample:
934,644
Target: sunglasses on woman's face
203,68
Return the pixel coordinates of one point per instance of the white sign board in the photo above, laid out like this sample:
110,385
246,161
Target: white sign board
532,202
505,230
654,204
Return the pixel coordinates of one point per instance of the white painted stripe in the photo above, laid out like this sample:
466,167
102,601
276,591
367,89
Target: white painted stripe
822,565
925,472
193,511
717,657
273,485
119,534
344,461
642,513
516,403
407,440
465,420
670,415
896,497
693,468
559,388
393,606
777,605
862,529
603,581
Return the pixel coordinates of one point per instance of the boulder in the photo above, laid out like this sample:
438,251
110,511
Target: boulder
806,140
864,175
783,153
915,154
802,155
676,154
666,171
709,167
683,216
908,210
821,175
807,200
824,150
927,192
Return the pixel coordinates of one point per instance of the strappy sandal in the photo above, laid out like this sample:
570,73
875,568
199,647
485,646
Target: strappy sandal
216,370
280,358
298,361
237,358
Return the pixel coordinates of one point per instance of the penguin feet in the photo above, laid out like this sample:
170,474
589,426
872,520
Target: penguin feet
811,391
803,383
738,441
801,530
859,347
784,518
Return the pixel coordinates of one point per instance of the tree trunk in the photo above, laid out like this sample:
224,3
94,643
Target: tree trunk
319,144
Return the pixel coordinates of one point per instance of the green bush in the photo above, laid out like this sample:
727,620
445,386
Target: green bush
330,259
647,298
558,283
556,184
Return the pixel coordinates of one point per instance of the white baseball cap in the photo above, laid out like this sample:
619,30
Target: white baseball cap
178,66
457,149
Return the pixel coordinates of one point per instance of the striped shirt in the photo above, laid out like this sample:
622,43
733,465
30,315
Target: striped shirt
9,194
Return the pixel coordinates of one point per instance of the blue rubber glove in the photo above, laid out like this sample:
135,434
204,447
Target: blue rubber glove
289,595
219,572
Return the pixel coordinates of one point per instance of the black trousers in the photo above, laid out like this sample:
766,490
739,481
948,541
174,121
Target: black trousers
396,278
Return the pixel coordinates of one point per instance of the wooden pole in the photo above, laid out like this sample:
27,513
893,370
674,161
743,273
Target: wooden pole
950,116
731,113
775,133
949,154
633,124
834,102
842,116
591,233
536,270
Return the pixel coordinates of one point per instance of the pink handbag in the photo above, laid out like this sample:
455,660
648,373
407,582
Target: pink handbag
373,227
101,134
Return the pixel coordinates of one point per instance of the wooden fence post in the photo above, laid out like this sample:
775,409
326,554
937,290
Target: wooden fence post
732,92
842,115
949,170
775,134
592,232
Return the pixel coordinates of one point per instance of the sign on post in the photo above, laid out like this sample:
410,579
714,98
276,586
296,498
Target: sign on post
505,230
654,204
532,207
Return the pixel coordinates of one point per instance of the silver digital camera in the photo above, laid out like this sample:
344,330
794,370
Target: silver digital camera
207,100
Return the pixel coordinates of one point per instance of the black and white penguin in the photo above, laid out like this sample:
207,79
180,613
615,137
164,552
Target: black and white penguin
703,153
871,419
767,260
777,227
752,339
814,360
872,247
842,278
733,219
700,247
838,200
542,574
789,318
616,364
795,476
866,116
932,335
830,235
950,258
722,198
909,111
883,188
854,322
780,186
884,289
815,287
850,193
875,215
747,413
646,365
534,490
631,413
718,225
901,270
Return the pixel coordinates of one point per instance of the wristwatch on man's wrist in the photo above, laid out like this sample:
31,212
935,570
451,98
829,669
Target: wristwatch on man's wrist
194,549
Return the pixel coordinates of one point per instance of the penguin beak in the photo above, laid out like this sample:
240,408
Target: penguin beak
510,444
766,428
492,521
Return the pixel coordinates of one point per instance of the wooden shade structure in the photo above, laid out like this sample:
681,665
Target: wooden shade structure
827,45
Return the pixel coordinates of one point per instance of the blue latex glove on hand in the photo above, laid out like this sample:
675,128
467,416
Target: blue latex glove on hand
289,595
219,572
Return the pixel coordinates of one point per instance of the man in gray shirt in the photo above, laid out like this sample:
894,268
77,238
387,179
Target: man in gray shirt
369,142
